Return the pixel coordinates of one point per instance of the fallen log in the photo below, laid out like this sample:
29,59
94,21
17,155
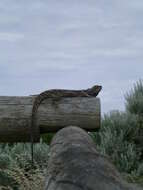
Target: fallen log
15,116
75,164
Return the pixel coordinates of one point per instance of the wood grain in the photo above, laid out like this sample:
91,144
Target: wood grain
15,116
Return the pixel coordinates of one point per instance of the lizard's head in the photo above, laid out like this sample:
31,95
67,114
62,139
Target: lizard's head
94,90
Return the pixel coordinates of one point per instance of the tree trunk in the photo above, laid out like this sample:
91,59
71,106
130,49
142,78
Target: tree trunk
15,116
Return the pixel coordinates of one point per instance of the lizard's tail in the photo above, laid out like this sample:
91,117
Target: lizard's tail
36,104
33,125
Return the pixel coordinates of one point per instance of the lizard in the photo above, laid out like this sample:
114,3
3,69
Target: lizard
57,94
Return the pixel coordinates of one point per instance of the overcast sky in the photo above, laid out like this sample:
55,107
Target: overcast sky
71,44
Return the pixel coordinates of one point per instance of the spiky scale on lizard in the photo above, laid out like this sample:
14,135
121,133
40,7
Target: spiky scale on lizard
54,94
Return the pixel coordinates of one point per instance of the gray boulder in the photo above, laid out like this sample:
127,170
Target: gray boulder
75,164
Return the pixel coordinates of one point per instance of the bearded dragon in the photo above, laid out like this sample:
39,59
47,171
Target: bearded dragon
57,94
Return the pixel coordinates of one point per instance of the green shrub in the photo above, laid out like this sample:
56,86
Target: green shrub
15,166
5,161
140,169
134,99
6,180
46,138
116,139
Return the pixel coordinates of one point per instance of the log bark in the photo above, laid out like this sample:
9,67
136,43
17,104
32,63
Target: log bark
15,116
75,164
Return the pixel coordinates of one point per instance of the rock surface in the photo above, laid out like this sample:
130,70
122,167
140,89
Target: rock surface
75,164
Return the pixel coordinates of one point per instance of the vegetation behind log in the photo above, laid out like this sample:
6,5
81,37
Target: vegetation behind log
121,135
117,139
